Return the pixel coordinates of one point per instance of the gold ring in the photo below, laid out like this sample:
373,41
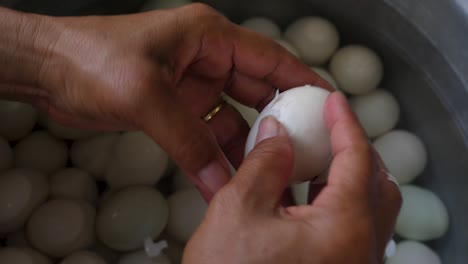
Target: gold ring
213,112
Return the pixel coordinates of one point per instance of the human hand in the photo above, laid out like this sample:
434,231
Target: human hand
160,72
349,221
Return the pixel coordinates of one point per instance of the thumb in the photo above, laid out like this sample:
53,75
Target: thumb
264,174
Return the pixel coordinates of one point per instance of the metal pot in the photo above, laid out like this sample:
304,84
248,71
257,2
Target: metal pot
424,45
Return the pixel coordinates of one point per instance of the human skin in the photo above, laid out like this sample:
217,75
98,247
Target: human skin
350,220
158,71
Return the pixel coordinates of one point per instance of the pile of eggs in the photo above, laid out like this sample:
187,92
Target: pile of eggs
73,196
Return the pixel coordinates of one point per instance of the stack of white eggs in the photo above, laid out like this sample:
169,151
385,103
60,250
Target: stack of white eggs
76,196
358,71
73,196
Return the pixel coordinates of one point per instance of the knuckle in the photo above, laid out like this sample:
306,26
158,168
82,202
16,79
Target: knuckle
194,151
272,149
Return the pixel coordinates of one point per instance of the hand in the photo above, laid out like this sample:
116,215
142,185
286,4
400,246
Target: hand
349,221
161,72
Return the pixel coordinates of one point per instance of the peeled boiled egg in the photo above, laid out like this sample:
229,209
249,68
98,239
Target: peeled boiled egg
403,153
300,110
42,151
378,111
289,47
18,119
263,26
73,183
327,76
60,227
423,216
315,38
22,255
6,155
357,69
21,191
129,216
66,132
135,159
140,257
83,257
92,154
411,252
186,211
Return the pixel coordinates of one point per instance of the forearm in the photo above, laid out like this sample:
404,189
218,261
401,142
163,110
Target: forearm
25,46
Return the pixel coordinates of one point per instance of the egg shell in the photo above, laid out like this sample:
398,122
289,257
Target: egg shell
263,25
186,211
83,257
61,226
135,160
22,255
21,191
140,257
41,151
92,154
18,119
315,38
289,47
357,69
74,183
411,252
403,153
423,216
378,111
129,216
6,155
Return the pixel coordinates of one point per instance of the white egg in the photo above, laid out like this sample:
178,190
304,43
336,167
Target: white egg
140,257
22,255
41,151
403,153
357,69
83,257
73,183
423,216
327,76
92,154
21,191
248,113
180,181
18,119
264,26
65,132
6,155
411,252
186,211
315,38
378,111
60,227
289,47
135,159
131,215
163,4
300,110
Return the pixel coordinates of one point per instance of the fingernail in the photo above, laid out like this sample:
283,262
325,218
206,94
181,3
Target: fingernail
269,127
214,176
393,179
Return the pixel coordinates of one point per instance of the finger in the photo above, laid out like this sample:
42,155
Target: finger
231,131
388,202
259,57
264,175
351,172
188,141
